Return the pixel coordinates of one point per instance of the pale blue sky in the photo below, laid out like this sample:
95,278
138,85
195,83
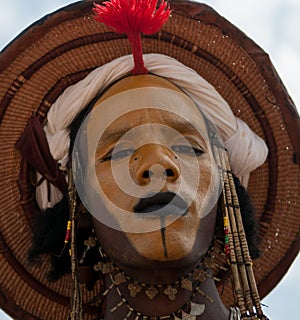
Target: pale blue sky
273,24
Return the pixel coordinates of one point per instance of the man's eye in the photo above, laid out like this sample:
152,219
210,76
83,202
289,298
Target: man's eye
188,150
117,155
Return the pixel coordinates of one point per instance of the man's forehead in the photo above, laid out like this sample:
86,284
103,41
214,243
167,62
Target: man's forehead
126,109
165,119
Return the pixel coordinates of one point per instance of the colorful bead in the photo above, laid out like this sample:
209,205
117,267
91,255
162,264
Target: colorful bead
225,220
226,238
68,232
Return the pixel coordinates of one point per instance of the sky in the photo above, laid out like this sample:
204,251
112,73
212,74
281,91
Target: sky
272,24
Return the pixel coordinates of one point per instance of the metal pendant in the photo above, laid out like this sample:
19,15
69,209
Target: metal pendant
196,310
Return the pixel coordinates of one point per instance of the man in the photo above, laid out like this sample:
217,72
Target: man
148,254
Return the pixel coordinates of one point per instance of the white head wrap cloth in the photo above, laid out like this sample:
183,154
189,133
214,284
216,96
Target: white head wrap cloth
246,150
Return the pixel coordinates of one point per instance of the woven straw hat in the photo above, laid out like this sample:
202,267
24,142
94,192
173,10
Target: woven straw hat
64,47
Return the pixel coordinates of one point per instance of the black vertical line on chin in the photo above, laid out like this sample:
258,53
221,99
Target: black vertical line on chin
163,235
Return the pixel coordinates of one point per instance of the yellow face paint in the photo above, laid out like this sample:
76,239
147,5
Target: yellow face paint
152,168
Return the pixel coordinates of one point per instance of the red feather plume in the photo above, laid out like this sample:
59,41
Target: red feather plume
133,17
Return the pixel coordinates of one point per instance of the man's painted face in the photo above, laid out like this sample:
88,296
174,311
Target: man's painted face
152,169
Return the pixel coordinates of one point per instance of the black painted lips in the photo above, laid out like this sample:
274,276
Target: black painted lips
162,204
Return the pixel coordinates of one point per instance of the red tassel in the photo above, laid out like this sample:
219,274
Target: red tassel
133,17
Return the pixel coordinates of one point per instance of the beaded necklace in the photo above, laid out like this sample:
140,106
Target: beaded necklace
190,282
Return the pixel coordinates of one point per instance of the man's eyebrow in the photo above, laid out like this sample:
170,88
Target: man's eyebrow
186,127
113,134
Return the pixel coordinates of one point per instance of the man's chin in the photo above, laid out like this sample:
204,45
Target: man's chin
155,268
164,245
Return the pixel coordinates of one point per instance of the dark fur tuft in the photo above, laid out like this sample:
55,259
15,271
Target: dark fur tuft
48,238
248,216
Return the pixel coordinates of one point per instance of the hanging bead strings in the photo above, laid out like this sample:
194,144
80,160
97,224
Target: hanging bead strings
236,248
76,300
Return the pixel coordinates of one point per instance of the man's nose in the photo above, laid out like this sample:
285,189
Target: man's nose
152,161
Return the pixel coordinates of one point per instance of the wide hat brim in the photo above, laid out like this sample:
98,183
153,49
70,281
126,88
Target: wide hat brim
64,47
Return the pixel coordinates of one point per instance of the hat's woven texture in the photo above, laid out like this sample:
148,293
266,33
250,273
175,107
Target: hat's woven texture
60,50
